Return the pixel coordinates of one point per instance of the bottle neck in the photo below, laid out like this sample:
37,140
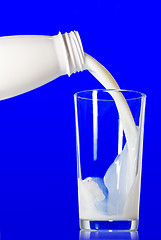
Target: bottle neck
74,52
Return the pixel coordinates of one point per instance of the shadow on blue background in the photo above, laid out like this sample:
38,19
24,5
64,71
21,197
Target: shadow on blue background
38,188
98,235
83,235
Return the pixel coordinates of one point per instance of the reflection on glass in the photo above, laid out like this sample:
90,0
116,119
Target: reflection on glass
104,235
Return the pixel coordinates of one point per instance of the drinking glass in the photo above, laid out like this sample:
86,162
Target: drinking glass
109,158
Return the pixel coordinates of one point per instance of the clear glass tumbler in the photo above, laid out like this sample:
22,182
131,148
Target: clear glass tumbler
109,158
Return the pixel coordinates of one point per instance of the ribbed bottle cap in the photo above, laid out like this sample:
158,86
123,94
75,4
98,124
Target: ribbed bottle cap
74,52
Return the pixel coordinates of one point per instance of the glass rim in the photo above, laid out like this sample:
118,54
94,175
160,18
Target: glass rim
141,95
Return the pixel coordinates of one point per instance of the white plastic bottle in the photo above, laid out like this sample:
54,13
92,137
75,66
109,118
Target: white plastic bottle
28,62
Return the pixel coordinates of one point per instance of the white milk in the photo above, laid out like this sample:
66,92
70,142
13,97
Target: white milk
122,201
28,62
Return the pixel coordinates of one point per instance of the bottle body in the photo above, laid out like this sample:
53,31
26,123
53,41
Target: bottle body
28,62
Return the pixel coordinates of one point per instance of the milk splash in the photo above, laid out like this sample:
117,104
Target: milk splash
110,198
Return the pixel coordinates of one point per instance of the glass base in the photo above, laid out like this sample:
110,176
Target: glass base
109,225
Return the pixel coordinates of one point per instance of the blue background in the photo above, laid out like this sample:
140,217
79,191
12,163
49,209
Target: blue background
38,183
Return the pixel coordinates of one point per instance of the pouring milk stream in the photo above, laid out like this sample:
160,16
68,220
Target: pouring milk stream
28,62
